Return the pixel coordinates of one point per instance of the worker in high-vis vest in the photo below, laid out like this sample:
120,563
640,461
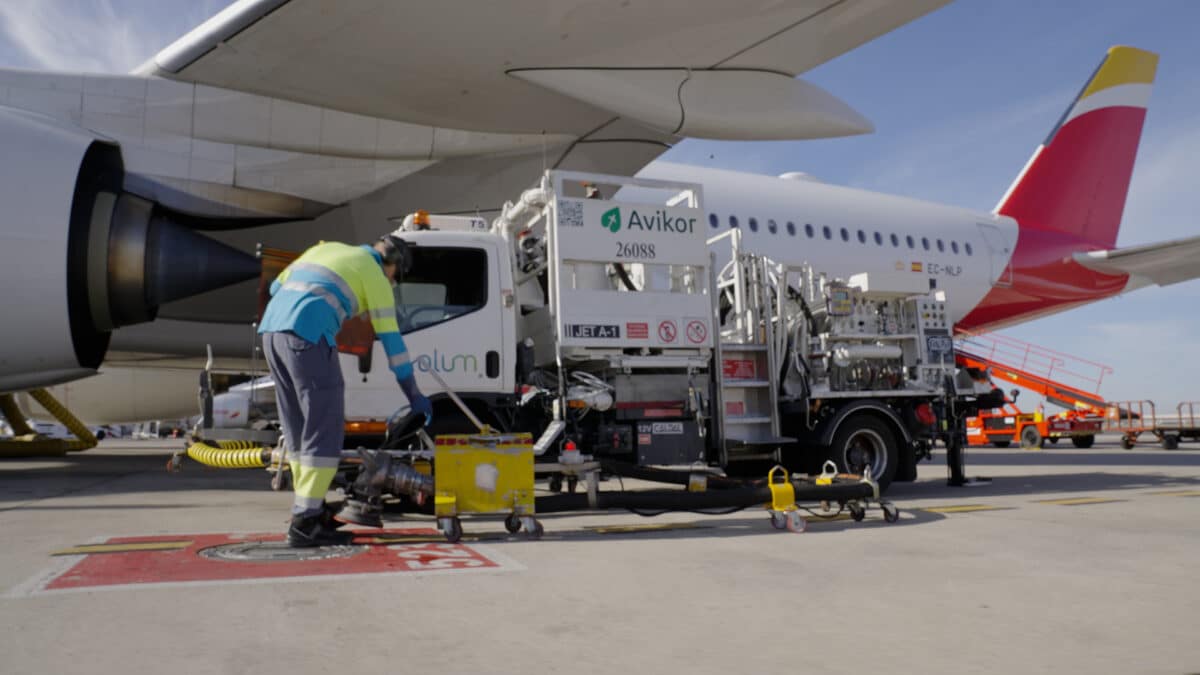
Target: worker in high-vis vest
310,299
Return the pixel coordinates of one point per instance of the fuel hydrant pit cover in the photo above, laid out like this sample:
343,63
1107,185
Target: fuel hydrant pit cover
277,551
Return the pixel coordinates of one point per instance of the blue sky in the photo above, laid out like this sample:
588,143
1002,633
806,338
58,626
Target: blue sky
960,99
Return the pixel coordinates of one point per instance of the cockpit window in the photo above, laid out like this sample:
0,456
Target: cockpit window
444,283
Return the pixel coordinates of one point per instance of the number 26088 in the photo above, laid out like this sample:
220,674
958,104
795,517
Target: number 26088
637,251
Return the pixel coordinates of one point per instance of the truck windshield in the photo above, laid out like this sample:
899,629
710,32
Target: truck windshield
444,283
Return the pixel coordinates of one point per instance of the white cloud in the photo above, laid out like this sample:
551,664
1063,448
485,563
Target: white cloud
105,36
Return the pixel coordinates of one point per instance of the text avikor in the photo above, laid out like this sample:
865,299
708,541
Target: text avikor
659,221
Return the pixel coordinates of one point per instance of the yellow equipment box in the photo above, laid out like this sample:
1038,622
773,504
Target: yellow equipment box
477,473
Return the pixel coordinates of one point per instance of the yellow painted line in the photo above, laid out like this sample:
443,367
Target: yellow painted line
964,508
1178,493
1079,501
629,529
125,548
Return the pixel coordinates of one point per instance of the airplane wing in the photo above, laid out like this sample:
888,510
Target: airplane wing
596,86
299,106
1163,264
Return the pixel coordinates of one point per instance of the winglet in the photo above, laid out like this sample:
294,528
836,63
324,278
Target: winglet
1077,180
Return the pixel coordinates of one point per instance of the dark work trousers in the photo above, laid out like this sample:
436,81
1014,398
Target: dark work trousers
310,394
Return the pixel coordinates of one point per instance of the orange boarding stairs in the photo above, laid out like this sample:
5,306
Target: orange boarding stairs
1064,380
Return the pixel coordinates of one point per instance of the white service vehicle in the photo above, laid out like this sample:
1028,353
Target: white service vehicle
614,324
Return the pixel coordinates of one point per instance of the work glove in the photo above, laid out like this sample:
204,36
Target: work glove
416,400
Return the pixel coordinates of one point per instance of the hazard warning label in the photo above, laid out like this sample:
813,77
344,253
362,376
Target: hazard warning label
127,562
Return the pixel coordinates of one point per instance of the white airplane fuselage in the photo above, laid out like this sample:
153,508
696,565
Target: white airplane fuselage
844,231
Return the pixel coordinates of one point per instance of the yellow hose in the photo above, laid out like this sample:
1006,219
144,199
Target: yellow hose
230,454
43,447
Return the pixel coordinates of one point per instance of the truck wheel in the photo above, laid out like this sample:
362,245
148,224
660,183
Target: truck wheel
864,440
1083,442
1031,438
1001,444
1127,442
1170,441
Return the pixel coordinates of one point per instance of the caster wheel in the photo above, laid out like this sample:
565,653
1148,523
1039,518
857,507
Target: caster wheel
533,527
512,523
1127,443
572,484
779,520
890,513
556,483
796,523
451,529
857,513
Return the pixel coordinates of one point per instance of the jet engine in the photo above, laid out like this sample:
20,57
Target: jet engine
81,257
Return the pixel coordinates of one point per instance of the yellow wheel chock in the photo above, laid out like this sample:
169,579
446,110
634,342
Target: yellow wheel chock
784,513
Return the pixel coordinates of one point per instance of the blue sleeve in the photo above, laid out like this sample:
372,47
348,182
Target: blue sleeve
397,353
275,287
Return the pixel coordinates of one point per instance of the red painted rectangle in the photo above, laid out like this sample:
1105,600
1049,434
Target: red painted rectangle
637,331
739,369
735,408
374,551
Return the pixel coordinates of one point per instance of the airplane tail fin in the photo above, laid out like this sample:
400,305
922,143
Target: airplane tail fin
1077,180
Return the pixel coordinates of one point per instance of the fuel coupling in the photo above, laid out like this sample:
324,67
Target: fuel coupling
381,475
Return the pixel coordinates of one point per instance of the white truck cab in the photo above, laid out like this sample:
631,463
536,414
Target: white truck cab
455,309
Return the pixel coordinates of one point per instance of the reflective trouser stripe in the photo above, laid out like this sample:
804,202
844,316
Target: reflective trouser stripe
315,462
398,360
310,485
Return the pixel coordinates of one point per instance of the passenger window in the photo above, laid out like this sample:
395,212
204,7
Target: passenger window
791,228
753,224
941,246
713,220
909,240
895,240
772,227
733,221
954,247
878,239
862,237
925,243
967,248
827,232
845,234
808,230
444,283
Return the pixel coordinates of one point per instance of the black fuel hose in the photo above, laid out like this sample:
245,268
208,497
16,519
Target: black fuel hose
674,476
679,500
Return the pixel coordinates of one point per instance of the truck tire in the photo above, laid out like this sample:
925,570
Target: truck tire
1083,442
1127,442
1001,444
1170,442
865,439
1031,438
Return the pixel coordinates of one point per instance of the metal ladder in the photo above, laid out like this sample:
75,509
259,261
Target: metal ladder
747,354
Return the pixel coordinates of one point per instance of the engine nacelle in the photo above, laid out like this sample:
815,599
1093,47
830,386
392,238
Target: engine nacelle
80,257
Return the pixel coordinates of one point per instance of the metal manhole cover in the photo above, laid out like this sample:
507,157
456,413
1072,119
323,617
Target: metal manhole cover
276,551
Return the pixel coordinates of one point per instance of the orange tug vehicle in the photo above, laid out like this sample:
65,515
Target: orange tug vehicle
1001,427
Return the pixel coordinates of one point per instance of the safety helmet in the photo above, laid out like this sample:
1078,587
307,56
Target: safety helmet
395,252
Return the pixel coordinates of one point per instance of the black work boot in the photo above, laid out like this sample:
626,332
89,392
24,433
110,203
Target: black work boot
308,531
328,513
